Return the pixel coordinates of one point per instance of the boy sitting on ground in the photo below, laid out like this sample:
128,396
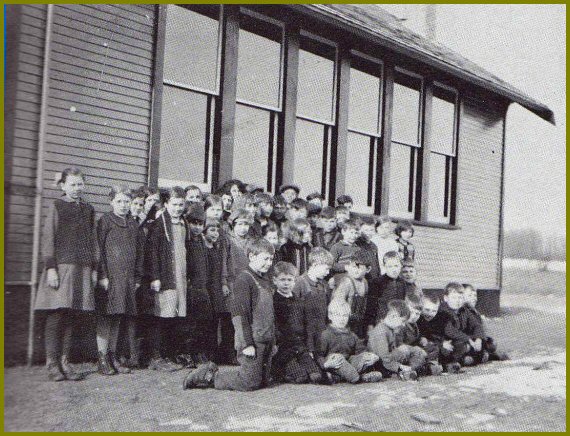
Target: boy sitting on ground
411,336
341,353
385,340
292,363
253,319
472,325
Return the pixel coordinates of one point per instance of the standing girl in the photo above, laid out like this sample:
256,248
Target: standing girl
66,285
120,242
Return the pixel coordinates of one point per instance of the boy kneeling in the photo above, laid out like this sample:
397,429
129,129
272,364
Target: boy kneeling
341,353
253,319
293,363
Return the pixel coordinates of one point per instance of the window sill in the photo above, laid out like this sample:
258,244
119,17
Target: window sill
435,225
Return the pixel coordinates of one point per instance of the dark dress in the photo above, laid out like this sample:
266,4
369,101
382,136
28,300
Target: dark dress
120,245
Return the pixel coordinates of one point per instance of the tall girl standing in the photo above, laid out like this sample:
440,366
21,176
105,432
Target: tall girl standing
68,278
120,242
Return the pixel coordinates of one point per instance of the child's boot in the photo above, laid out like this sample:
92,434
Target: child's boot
68,370
371,377
104,365
201,377
117,365
468,361
453,368
54,371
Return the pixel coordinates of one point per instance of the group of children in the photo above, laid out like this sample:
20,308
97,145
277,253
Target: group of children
289,289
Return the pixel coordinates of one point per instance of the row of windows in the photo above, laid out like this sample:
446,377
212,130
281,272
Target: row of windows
191,82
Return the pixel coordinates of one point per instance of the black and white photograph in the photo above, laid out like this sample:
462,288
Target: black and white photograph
286,217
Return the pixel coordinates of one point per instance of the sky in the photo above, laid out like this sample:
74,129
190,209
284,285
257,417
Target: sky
524,45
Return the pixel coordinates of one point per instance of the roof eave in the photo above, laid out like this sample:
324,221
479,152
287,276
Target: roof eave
398,46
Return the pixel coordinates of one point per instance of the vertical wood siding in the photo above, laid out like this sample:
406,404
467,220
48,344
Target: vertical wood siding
99,108
471,253
21,151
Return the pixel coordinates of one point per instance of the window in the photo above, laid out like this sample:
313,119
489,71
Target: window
259,89
406,143
364,115
190,96
443,155
315,113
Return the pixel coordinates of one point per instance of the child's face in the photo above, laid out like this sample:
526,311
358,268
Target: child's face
193,196
342,216
307,233
394,320
215,211
236,193
289,195
137,206
367,231
348,206
150,201
470,296
320,270
385,230
176,207
429,309
227,201
328,224
415,313
260,262
251,209
406,235
73,186
339,319
212,234
355,270
284,282
196,227
265,209
408,274
454,300
350,235
241,227
279,210
293,214
272,238
393,266
121,205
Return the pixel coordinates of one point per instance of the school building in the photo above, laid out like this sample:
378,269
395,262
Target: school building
334,98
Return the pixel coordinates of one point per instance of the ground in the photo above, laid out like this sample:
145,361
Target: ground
527,393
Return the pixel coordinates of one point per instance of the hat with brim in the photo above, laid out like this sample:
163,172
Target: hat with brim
295,188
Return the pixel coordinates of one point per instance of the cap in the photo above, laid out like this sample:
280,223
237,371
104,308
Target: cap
196,212
360,257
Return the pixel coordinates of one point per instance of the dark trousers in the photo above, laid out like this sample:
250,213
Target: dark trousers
225,350
164,336
58,333
253,373
295,366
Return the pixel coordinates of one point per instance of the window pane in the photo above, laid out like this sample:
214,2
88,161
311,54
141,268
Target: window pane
315,91
443,117
191,51
251,149
406,112
183,136
358,176
364,103
309,140
400,168
259,62
437,180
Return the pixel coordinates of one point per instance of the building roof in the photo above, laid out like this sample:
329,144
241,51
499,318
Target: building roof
386,29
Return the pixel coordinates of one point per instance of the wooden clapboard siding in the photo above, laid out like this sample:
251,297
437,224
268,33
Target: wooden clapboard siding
21,147
98,112
470,253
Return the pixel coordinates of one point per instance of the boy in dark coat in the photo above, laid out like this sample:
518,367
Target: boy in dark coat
292,363
328,234
344,249
253,319
314,292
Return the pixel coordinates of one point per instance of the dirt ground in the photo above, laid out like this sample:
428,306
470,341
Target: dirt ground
527,393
